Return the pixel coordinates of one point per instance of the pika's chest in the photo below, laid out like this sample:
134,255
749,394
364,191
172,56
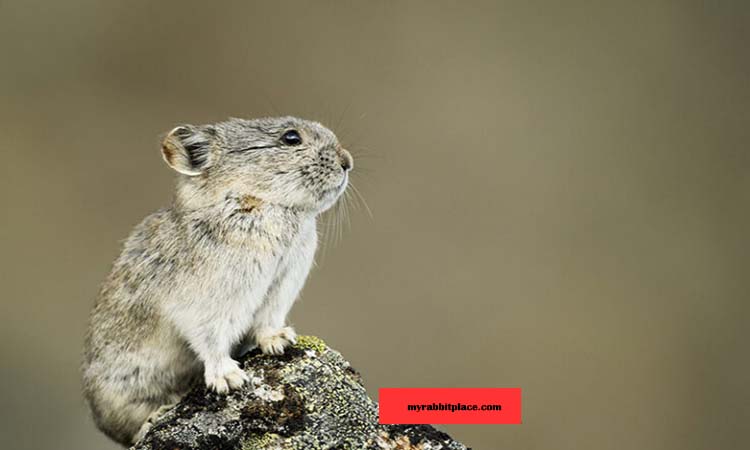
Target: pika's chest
246,245
266,235
243,265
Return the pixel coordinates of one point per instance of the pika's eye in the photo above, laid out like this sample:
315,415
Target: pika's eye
291,137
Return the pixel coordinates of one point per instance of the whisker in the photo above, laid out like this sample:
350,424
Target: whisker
341,223
340,120
362,198
326,232
337,223
347,215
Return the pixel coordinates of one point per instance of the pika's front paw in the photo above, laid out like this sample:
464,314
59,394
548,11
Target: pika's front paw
273,342
225,375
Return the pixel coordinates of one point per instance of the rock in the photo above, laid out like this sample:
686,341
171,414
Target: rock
308,398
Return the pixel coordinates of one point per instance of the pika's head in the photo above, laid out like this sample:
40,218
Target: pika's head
285,161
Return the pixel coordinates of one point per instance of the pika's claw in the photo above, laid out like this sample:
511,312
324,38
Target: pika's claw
274,342
225,376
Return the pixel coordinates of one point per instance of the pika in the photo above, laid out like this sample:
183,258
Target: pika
214,273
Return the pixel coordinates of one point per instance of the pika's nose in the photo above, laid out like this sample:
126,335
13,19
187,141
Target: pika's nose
347,162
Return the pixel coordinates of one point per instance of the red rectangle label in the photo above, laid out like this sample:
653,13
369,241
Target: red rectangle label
449,405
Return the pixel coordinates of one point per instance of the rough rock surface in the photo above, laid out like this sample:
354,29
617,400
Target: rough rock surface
308,398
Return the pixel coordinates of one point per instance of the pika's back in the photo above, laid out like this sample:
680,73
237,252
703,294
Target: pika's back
124,311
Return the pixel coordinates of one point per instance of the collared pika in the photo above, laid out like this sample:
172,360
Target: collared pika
218,269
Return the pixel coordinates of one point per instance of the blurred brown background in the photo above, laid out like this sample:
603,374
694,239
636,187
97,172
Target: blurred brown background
560,197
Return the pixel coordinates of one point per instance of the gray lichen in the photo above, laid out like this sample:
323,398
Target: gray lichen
308,398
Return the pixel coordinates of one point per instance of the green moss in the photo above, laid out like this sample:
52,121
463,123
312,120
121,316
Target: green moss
258,441
310,343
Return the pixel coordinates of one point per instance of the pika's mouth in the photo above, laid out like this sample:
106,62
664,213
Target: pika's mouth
342,186
336,191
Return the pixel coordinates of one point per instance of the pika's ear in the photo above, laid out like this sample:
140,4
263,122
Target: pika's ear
187,148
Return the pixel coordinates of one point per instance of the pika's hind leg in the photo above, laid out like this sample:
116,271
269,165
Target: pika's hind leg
152,418
120,417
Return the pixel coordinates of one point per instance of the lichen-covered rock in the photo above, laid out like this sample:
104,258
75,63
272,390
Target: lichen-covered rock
308,398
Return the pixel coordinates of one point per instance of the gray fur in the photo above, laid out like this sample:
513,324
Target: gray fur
220,267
